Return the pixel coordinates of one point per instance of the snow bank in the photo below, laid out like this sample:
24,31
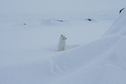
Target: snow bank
100,62
52,22
106,67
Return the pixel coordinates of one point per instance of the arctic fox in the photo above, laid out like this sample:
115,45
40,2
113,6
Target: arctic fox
62,43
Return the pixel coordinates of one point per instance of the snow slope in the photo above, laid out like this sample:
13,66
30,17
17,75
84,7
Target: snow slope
100,62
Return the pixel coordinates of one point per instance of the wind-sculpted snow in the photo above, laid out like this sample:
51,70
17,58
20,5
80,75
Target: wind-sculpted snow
28,59
109,67
100,62
73,59
53,22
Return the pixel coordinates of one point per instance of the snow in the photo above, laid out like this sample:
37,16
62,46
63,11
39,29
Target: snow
95,49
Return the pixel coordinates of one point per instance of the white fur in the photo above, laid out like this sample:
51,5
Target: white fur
62,43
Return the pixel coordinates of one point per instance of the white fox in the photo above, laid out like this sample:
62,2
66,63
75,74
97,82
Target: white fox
62,43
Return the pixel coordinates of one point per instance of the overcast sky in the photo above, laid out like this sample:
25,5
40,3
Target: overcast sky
57,6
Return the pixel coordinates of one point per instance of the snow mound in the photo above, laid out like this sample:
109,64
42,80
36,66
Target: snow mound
99,62
52,22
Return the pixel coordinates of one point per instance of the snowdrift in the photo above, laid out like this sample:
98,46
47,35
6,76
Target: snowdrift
100,62
52,22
